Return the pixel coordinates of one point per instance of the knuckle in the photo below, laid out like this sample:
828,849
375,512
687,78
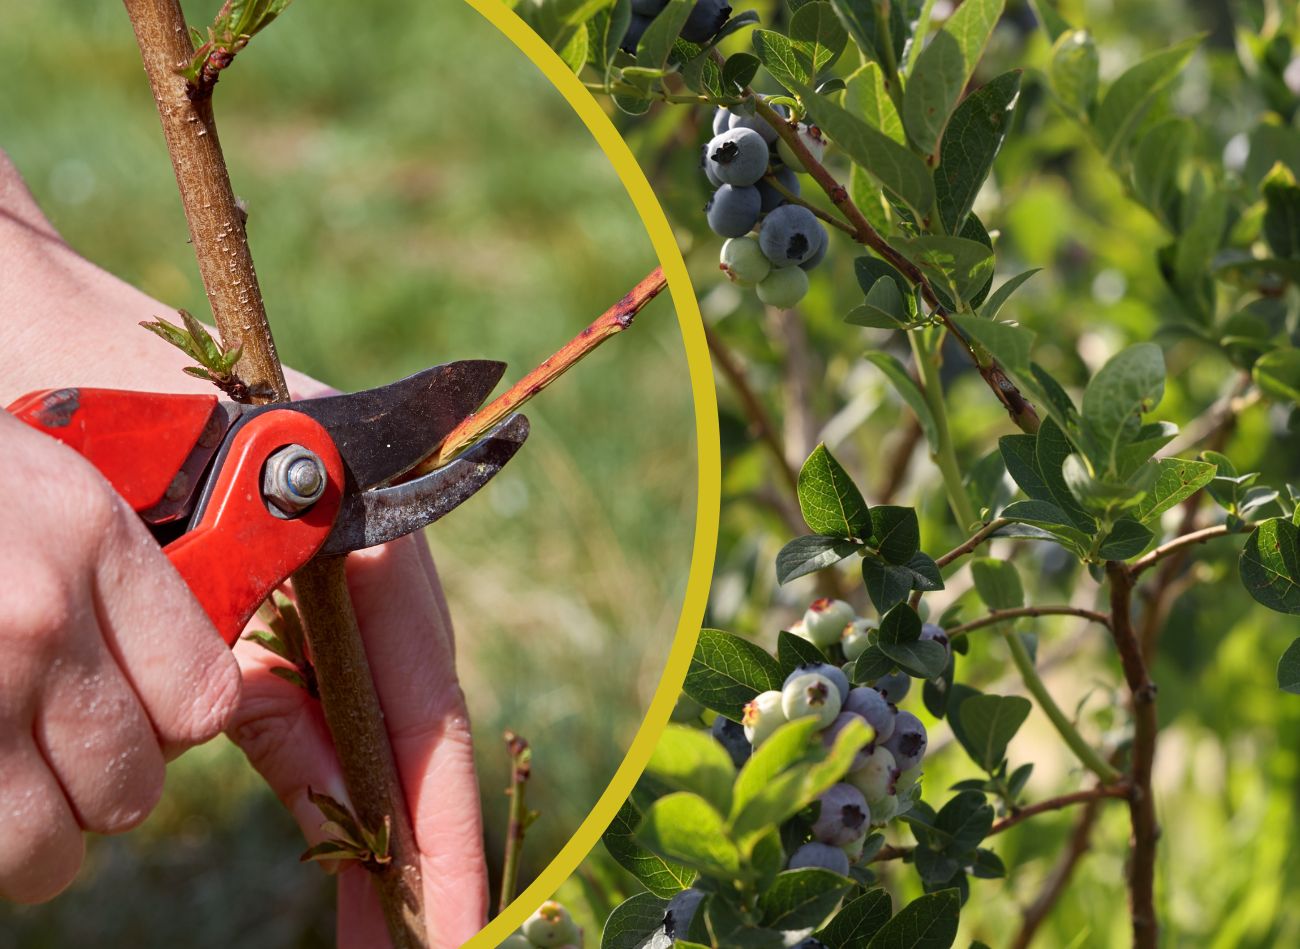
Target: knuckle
140,791
209,709
39,865
39,611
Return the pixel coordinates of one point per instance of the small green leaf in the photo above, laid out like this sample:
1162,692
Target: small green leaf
1129,96
687,759
973,139
659,37
858,920
794,651
633,922
1132,382
908,390
1282,212
1127,539
887,584
870,32
684,827
895,532
800,899
738,72
865,96
777,54
958,265
831,503
818,36
1288,669
663,878
805,555
1177,479
606,30
726,672
1009,344
898,638
998,298
1278,374
989,722
943,69
1270,565
929,922
1052,450
967,818
998,583
1073,71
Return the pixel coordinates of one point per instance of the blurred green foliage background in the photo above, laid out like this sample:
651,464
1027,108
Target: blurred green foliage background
1227,774
418,192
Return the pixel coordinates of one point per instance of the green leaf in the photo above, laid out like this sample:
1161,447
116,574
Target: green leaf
925,572
659,37
1051,450
633,922
1157,160
869,32
684,827
929,922
574,53
1129,96
908,390
1177,479
1009,344
988,724
726,672
831,503
967,818
794,651
898,638
776,52
897,169
857,921
687,759
1019,453
818,36
1127,539
1132,382
1288,669
885,307
1270,565
958,265
895,532
738,72
973,139
663,878
606,30
1053,23
943,69
998,298
1282,212
887,584
1278,374
865,96
1050,518
998,583
805,555
800,899
1073,71
792,744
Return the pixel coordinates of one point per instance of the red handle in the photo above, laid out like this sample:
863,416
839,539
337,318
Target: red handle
239,551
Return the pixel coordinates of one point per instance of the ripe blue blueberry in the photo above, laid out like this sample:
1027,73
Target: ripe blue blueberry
707,17
833,673
731,736
738,156
733,212
743,262
894,687
680,912
773,199
908,742
844,816
650,8
756,122
823,243
811,694
857,636
708,172
817,854
783,288
635,28
876,778
825,619
763,715
871,705
788,238
551,926
832,732
721,120
933,633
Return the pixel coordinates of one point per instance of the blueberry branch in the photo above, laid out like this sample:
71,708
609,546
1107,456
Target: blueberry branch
1056,882
943,451
1145,562
981,535
1000,616
1021,412
521,769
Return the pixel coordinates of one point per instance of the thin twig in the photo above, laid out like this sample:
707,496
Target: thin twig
975,539
1100,792
1147,561
609,324
1080,840
792,198
1001,616
521,769
1142,808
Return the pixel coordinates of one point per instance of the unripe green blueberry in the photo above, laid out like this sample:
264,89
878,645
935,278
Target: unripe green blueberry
873,708
908,742
516,941
857,636
824,856
764,715
884,810
813,140
876,777
844,816
811,694
825,620
551,926
784,287
742,260
738,157
894,687
834,673
932,633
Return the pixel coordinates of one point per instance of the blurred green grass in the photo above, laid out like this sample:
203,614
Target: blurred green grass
417,192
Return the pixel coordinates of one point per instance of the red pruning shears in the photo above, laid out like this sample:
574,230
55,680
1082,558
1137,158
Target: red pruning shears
242,496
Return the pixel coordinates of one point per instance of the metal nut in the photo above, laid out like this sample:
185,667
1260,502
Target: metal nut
294,479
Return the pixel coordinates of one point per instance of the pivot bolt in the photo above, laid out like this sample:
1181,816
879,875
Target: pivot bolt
294,479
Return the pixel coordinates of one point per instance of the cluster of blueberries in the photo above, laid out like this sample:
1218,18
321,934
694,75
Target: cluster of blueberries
742,161
884,769
551,927
707,17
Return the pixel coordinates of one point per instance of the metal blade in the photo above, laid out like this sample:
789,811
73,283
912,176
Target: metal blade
374,517
382,433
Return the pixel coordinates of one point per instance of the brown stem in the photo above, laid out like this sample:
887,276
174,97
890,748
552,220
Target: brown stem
1142,809
973,541
1178,543
1000,616
1059,878
521,769
609,324
348,698
1021,412
1101,791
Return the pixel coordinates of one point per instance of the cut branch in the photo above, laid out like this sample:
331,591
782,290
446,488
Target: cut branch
521,769
612,322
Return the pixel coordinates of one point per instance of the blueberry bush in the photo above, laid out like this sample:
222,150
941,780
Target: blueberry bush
1105,386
